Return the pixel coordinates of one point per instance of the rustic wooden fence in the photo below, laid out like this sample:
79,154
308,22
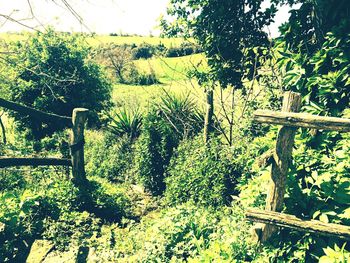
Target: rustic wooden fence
76,123
290,120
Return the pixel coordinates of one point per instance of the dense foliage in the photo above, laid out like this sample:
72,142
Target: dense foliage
172,120
51,72
156,192
229,33
206,174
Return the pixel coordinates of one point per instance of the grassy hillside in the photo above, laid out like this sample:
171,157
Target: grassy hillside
173,75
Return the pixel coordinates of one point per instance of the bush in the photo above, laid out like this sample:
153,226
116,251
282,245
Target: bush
118,59
169,122
71,228
23,215
11,180
184,49
109,158
153,151
136,77
205,174
50,72
59,212
335,255
126,122
107,201
318,187
181,114
144,50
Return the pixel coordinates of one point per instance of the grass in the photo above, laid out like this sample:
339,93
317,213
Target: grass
173,69
144,97
172,73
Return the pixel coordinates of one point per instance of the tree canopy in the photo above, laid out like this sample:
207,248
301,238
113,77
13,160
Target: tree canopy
51,72
230,33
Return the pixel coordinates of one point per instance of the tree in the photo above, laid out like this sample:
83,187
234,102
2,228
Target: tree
116,58
51,72
231,34
313,54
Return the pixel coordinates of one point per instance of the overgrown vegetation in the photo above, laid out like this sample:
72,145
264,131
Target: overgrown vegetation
157,191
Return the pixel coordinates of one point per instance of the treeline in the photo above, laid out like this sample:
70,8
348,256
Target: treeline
146,50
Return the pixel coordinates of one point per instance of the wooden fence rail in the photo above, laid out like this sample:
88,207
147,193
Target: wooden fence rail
292,119
33,161
290,221
37,114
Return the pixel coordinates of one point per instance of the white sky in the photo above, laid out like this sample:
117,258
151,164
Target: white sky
100,16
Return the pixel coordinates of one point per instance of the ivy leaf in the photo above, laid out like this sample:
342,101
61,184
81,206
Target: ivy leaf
324,218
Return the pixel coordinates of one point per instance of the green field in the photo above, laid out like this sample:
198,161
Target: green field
103,39
172,73
137,40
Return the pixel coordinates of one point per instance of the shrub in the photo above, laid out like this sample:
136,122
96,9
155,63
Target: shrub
161,49
50,72
109,157
71,228
11,180
184,49
118,59
205,174
335,255
320,76
20,217
182,114
153,151
23,215
144,50
136,77
107,201
185,233
169,122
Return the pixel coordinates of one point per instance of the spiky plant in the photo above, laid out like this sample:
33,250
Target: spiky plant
126,122
182,113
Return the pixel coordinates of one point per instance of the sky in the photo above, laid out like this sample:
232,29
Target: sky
100,16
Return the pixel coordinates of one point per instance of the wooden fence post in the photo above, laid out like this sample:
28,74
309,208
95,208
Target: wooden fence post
280,165
208,120
77,145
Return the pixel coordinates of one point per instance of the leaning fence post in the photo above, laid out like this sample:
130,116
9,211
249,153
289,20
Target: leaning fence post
77,145
279,170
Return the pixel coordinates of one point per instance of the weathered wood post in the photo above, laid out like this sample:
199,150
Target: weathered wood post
208,121
77,145
280,165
